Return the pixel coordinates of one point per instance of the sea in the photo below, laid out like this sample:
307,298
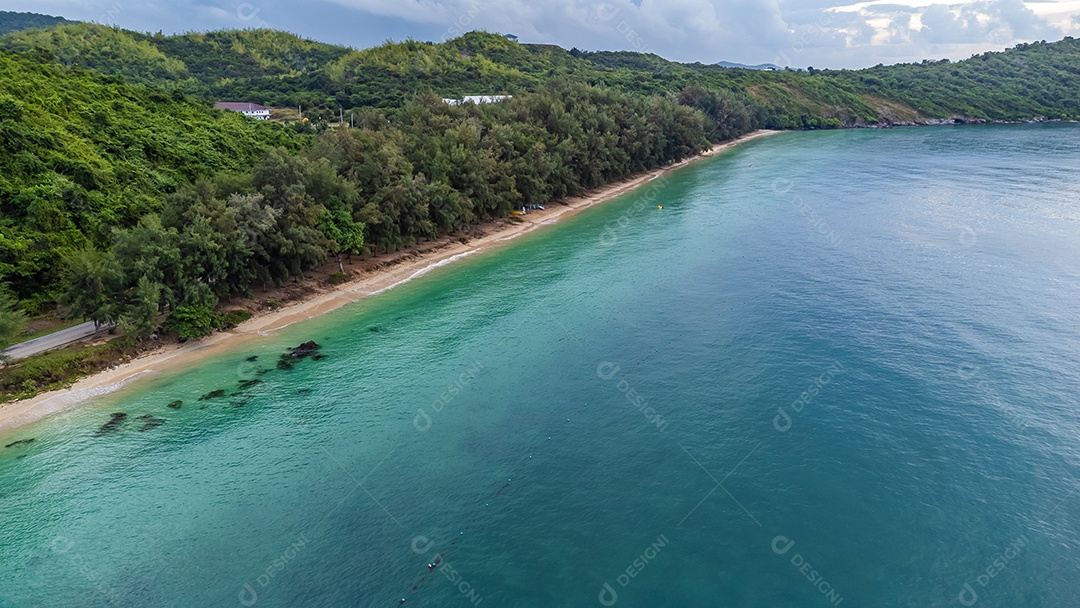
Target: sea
833,368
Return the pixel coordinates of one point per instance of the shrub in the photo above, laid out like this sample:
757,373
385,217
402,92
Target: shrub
191,322
233,318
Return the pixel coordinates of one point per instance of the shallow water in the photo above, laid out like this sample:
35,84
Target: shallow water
865,344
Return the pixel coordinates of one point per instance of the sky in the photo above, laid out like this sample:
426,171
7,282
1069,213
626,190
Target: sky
796,33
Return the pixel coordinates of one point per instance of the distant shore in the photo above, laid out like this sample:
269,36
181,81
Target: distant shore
20,413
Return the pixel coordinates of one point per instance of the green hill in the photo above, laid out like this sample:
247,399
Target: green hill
14,22
82,153
280,69
115,169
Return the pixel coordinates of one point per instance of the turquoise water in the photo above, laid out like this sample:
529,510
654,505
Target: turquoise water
865,344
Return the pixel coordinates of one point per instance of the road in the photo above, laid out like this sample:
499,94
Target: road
54,340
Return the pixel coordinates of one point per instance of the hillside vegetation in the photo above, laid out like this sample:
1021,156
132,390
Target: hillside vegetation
14,22
82,153
124,197
275,68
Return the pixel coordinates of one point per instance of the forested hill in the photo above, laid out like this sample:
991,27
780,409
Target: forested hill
275,68
124,196
123,202
82,153
13,22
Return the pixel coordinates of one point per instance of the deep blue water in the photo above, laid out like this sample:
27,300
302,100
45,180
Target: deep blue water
866,344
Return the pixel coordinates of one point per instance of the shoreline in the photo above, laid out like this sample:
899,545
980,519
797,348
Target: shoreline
16,414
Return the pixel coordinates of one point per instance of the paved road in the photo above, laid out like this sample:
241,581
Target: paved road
54,340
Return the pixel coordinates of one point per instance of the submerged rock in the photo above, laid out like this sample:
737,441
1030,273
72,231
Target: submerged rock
303,391
252,358
20,443
149,422
249,383
175,405
213,395
304,350
318,357
291,355
112,425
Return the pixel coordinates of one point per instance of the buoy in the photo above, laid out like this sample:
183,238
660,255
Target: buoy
660,207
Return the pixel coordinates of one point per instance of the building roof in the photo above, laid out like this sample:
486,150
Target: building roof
240,106
477,99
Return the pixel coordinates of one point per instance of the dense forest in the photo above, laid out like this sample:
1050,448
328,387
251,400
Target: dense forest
279,69
125,198
82,153
435,169
126,202
14,22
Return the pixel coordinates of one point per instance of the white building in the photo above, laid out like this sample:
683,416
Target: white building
253,110
477,99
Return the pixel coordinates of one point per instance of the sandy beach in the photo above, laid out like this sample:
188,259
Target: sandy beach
20,413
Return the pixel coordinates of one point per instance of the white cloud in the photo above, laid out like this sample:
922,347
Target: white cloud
835,33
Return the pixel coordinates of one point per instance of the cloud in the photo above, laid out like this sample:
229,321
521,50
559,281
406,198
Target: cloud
834,33
994,20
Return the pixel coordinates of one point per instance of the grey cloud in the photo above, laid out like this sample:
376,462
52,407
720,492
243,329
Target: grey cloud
998,21
808,32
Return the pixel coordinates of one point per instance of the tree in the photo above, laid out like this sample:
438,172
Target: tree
89,286
12,320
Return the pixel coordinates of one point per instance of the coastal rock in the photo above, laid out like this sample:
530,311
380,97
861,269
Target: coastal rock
304,350
175,405
252,358
213,395
249,383
20,443
112,425
149,422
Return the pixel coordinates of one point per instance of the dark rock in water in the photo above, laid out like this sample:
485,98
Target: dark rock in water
252,358
149,422
303,391
239,402
249,383
304,350
20,443
318,357
112,425
175,405
213,394
375,330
